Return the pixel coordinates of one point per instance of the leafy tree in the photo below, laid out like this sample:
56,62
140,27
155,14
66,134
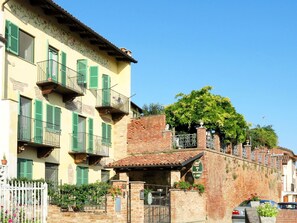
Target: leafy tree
152,109
215,111
263,136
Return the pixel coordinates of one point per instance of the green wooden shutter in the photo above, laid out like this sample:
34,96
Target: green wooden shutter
91,137
104,137
29,169
12,36
63,68
94,77
85,175
38,136
78,175
20,168
49,116
109,134
82,71
57,119
75,131
105,90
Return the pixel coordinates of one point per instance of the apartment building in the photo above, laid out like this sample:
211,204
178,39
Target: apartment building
65,95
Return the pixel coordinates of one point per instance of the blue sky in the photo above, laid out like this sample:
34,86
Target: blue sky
246,50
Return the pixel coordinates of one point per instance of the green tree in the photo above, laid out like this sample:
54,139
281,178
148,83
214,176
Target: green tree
263,137
215,111
152,109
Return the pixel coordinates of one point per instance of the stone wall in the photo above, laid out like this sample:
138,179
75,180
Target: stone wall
148,134
287,216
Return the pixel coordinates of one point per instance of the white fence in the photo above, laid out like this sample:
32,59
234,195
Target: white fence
23,202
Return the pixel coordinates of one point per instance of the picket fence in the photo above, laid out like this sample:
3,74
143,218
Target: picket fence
23,202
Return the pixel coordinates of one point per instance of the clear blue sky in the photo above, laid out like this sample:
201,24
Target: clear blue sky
246,50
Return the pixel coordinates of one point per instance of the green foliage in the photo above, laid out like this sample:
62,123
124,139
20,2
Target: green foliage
267,210
263,137
79,196
152,109
216,112
184,185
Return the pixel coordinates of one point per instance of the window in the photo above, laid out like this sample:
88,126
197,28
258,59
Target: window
53,117
79,133
82,175
51,173
104,175
25,168
106,90
106,134
82,71
91,137
19,42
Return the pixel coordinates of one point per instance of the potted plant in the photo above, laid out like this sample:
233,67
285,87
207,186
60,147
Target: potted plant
4,160
254,200
267,212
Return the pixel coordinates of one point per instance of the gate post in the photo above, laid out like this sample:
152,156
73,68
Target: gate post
137,204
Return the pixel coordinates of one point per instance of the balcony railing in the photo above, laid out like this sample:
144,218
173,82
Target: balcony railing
37,133
184,141
84,143
54,76
111,102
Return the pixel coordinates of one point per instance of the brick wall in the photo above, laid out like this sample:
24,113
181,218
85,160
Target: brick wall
230,180
187,206
148,134
287,216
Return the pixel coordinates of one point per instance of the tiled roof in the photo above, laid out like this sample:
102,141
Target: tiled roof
173,159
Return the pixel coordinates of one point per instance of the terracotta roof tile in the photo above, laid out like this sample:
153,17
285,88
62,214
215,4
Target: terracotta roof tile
176,159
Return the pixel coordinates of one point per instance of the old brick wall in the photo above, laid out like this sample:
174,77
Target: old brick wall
148,134
287,216
187,206
230,180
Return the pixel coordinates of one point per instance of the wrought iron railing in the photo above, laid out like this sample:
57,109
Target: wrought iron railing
209,141
38,132
235,150
53,71
113,99
244,153
184,141
88,143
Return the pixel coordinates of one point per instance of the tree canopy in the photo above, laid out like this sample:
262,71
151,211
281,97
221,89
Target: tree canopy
215,111
263,136
152,109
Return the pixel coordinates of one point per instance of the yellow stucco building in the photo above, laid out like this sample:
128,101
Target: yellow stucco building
65,95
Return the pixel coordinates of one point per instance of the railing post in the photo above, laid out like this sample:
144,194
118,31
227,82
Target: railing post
217,143
201,137
239,149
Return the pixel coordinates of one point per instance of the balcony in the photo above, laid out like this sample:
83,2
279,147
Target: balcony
55,77
111,102
185,141
37,134
89,147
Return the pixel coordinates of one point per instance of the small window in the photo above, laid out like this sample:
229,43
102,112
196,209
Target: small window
19,42
105,175
26,47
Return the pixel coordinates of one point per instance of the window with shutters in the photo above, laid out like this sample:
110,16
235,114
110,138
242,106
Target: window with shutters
82,66
53,118
106,134
82,175
19,42
25,168
51,173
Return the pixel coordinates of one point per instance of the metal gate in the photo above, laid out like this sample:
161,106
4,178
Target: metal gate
156,204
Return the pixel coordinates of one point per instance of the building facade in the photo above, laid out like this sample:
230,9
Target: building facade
65,95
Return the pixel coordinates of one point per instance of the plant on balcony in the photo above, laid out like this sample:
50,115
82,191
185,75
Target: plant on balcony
4,160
